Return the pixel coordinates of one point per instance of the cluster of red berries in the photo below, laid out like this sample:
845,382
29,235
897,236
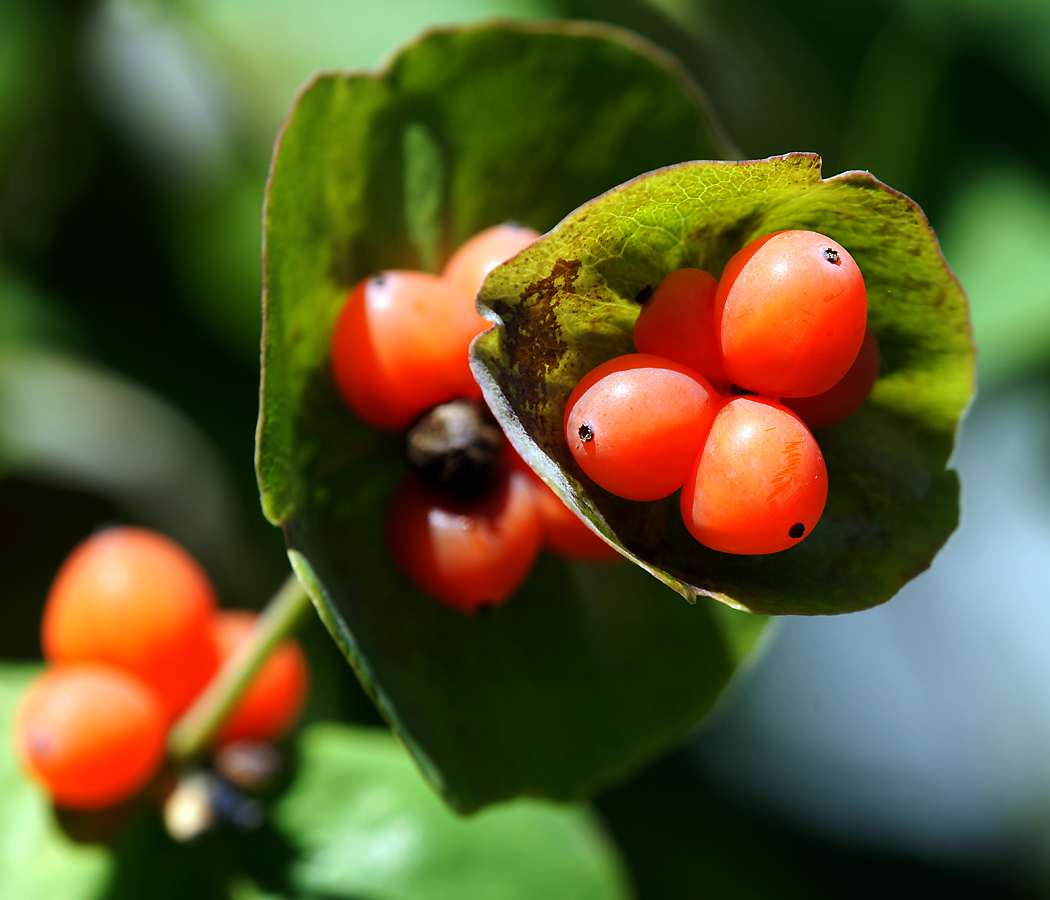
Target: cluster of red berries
729,379
133,635
467,525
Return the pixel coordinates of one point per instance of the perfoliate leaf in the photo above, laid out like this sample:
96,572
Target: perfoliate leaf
567,303
589,669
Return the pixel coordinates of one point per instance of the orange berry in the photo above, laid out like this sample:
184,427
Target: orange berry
791,310
482,253
273,701
760,484
636,423
847,395
136,600
465,553
89,734
678,321
400,346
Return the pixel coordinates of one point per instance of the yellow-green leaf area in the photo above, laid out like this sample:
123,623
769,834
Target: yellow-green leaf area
568,303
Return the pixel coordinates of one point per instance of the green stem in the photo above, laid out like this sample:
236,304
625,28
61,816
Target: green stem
192,734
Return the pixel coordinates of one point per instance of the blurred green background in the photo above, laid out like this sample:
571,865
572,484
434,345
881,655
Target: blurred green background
903,750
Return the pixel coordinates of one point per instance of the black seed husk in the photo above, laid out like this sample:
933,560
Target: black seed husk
456,445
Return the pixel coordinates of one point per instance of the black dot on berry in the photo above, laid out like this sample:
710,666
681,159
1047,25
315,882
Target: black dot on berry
797,530
832,256
586,433
644,295
378,280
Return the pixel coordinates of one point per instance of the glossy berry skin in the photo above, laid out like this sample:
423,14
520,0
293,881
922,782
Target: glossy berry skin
760,484
846,396
474,260
465,553
274,699
90,735
678,321
400,347
791,308
136,600
636,423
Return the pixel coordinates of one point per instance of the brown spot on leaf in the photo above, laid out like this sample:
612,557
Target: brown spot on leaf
534,343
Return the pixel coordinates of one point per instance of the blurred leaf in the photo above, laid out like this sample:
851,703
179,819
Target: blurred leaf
76,424
590,669
216,237
996,236
566,304
38,861
30,45
1014,31
46,146
27,317
892,104
383,835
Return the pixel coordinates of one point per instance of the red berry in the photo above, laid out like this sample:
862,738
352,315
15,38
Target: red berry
678,321
791,309
636,423
274,699
136,600
466,553
89,734
565,533
845,397
400,347
482,253
760,484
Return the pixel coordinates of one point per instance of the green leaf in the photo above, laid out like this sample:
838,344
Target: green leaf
37,860
383,835
590,669
28,318
566,304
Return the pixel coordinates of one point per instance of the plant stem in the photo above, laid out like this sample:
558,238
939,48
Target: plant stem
192,734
